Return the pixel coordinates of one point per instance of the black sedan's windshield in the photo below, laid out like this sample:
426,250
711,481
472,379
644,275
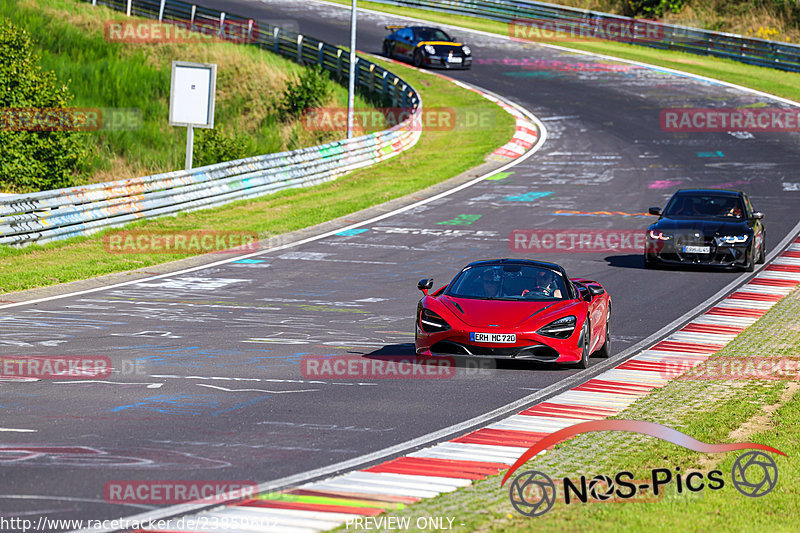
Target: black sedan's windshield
508,282
705,206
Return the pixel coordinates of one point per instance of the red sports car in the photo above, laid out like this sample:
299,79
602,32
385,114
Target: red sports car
516,309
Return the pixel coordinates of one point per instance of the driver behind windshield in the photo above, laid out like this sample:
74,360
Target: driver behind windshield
543,283
491,283
731,209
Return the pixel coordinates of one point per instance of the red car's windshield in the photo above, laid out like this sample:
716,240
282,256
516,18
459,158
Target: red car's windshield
508,282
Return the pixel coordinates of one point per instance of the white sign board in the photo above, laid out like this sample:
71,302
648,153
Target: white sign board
191,99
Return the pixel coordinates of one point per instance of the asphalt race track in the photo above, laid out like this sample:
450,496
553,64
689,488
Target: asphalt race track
210,381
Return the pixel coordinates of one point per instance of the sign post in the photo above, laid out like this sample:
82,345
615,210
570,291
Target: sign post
351,84
191,99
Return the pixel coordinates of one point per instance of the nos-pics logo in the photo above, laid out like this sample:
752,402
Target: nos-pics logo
533,493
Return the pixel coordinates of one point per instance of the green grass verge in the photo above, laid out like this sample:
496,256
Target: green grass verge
714,411
69,37
777,82
437,156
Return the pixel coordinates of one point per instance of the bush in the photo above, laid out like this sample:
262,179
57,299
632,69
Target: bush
213,146
33,160
652,8
310,90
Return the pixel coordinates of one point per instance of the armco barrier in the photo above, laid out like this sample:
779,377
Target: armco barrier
759,52
63,213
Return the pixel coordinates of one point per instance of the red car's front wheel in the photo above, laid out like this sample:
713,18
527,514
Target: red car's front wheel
586,335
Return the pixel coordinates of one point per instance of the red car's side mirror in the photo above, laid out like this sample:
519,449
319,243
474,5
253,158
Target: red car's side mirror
425,285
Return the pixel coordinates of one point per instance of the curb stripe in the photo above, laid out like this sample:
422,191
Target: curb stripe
273,504
355,495
502,437
696,327
568,411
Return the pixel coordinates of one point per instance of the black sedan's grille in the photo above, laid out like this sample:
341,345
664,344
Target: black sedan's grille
693,239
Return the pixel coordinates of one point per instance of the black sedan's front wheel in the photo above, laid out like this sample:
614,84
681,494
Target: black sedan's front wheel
752,256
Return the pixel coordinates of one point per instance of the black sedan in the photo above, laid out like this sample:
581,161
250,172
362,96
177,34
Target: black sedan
425,46
706,227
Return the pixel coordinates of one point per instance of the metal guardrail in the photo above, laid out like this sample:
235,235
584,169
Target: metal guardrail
520,13
63,213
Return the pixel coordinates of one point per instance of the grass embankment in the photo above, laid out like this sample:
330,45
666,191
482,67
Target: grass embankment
713,411
135,79
440,154
779,83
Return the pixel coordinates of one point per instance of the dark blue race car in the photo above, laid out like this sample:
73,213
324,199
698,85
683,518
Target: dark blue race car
426,46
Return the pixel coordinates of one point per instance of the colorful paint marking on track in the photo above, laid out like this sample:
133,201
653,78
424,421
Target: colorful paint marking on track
461,220
499,176
573,213
351,232
528,196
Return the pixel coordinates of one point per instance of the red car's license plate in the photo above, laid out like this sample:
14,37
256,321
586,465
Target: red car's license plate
493,337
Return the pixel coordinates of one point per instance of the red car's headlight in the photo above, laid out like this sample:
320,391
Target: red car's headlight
430,322
559,329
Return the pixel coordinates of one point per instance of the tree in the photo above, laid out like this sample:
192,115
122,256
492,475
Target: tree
39,148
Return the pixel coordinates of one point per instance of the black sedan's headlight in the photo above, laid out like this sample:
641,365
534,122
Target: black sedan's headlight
429,49
559,329
728,240
430,322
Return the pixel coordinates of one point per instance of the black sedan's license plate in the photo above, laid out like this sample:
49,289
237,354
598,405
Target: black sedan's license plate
697,249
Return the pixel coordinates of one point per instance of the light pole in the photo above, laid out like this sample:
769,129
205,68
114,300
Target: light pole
351,87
